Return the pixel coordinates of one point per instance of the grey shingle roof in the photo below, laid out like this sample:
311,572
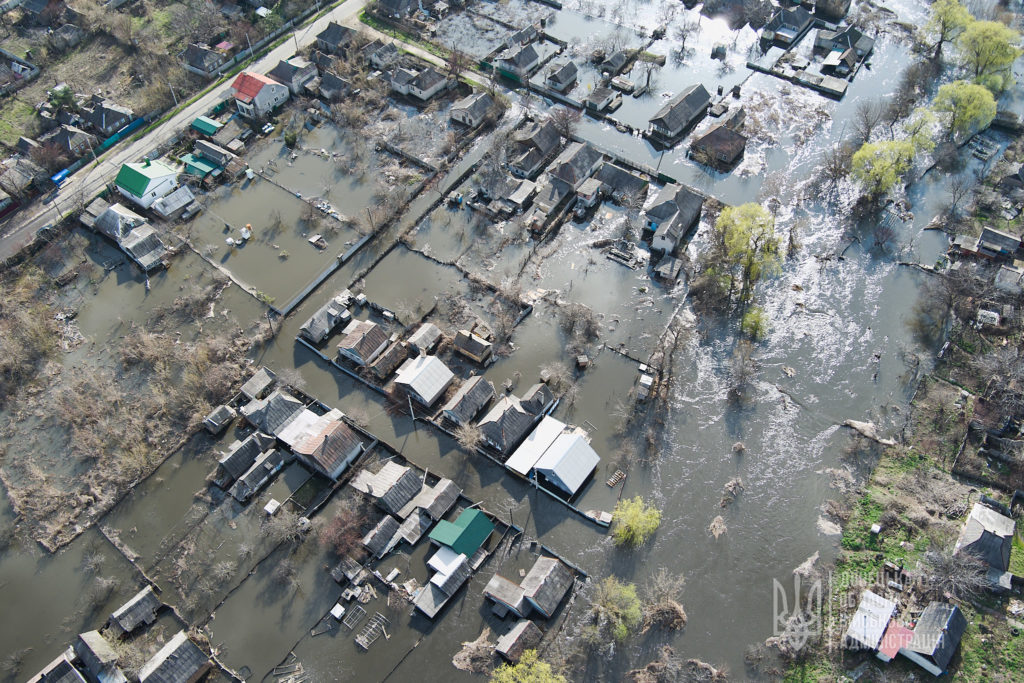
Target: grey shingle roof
178,661
469,400
273,413
546,584
142,608
253,479
537,398
505,425
988,535
471,344
573,165
434,500
618,179
938,632
403,490
241,455
335,35
476,105
378,541
95,652
683,109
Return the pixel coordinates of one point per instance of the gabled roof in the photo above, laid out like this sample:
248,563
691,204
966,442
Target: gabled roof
618,179
287,69
254,477
471,344
537,399
793,18
145,246
331,446
136,177
675,209
683,109
247,85
242,454
522,637
325,319
563,73
722,143
533,447
379,540
988,535
117,221
259,384
520,56
202,56
615,61
178,661
453,574
426,79
466,534
938,632
424,338
96,653
476,105
470,399
68,138
142,608
425,376
59,671
546,584
506,423
575,162
506,592
434,501
335,34
364,339
542,137
393,486
273,413
568,462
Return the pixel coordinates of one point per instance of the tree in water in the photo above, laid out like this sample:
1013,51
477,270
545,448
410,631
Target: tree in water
751,247
635,522
969,107
879,166
529,669
948,19
989,49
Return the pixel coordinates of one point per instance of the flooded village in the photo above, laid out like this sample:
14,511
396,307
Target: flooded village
521,340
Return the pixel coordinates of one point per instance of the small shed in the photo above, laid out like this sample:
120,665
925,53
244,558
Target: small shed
206,126
219,418
506,595
936,637
522,637
259,385
425,338
466,534
382,537
869,622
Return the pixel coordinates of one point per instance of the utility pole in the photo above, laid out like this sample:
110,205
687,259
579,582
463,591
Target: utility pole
172,94
250,44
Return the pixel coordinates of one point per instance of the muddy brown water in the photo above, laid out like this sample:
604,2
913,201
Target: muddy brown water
846,332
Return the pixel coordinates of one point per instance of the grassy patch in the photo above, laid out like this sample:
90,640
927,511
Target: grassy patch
988,648
16,117
1017,556
411,38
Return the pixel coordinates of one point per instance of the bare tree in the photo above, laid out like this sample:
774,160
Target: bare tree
962,575
457,61
469,436
868,115
836,164
565,120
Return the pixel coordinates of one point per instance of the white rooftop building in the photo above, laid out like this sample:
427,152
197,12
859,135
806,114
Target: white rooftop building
425,378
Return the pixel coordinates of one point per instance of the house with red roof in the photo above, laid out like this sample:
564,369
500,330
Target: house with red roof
257,95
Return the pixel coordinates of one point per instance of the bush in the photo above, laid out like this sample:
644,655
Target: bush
530,669
615,612
291,137
634,522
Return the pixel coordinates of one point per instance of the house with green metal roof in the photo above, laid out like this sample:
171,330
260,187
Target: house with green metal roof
206,126
199,166
146,181
466,534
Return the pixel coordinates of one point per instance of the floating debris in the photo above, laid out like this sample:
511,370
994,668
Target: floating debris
717,527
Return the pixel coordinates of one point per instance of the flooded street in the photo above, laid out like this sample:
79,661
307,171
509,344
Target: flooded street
842,344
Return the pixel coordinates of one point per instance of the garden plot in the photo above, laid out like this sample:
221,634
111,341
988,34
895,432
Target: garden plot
424,133
518,13
475,35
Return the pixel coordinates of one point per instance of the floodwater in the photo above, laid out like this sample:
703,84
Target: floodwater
841,345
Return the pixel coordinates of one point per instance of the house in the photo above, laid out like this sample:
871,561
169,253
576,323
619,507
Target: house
380,55
850,37
550,193
272,414
219,418
988,535
141,609
561,75
936,637
525,457
294,72
180,203
615,62
517,62
363,342
521,196
505,424
575,164
257,95
788,26
472,109
383,537
60,670
135,237
98,657
525,35
600,98
392,487
531,148
507,595
675,210
70,140
266,465
178,661
335,38
451,571
466,534
259,385
568,462
471,346
425,338
105,116
397,9
146,181
680,113
840,62
474,394
432,501
422,85
869,622
721,146
425,378
321,324
996,244
589,193
668,270
537,399
331,449
333,87
620,184
239,457
201,59
522,637
212,152
546,585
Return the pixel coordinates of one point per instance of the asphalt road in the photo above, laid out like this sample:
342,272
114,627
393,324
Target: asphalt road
89,180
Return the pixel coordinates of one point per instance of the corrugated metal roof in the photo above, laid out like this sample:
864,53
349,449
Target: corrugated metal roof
533,447
426,377
546,584
869,621
178,661
380,538
469,400
568,462
140,609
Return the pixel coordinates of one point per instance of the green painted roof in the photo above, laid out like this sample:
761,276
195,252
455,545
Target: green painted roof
134,177
466,534
198,165
206,125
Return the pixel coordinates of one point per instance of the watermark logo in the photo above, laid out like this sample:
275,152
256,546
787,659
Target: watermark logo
801,623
